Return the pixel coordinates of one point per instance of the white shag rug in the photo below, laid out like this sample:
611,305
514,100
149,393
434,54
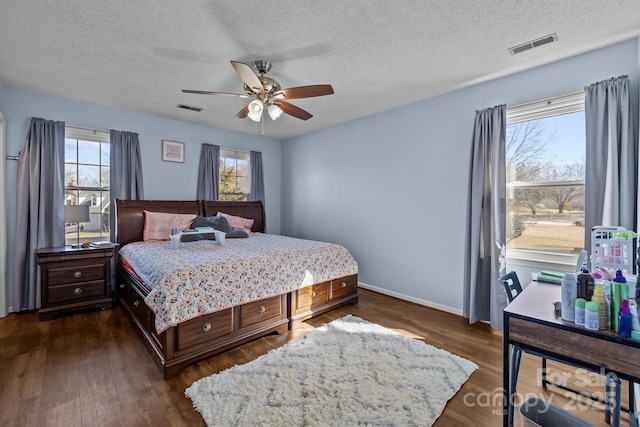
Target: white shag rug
349,372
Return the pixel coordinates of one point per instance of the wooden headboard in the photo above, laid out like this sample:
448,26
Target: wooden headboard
251,210
130,214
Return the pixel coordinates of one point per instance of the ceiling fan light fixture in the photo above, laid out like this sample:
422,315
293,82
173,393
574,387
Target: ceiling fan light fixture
255,110
274,111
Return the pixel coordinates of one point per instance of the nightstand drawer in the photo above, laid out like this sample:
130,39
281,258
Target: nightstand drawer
76,292
66,274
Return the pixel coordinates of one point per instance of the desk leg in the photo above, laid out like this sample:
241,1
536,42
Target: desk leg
506,389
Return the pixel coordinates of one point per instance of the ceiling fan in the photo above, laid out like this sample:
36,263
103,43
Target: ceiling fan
267,93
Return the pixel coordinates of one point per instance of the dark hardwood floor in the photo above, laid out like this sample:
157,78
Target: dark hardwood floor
90,369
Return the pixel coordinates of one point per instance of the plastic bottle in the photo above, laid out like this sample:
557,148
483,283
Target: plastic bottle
624,321
568,289
175,240
579,317
619,291
599,298
591,316
586,284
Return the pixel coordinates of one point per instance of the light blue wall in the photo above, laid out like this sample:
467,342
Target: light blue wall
162,180
392,187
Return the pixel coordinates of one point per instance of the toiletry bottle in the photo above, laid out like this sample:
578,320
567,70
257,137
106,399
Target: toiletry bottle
624,321
579,317
586,284
619,291
568,289
591,316
175,240
599,298
635,322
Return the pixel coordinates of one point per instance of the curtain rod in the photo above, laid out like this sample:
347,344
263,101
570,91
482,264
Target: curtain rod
90,129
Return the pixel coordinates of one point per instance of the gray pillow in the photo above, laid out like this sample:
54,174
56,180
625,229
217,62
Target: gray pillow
219,223
237,234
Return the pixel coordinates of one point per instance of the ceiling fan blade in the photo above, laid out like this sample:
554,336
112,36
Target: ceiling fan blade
305,91
204,92
292,110
243,113
248,76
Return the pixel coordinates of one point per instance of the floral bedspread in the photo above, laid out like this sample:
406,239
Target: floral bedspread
202,277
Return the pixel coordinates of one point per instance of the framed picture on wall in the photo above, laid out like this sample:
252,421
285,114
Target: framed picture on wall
172,151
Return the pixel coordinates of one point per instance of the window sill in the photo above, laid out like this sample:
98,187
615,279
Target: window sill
542,260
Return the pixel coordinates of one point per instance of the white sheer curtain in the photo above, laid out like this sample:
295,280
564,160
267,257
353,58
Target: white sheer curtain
611,155
39,207
484,297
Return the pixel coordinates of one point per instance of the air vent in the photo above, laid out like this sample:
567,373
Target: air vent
189,107
533,43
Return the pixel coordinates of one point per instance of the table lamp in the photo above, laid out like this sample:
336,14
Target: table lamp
75,214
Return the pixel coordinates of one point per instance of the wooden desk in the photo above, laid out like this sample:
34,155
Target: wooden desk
531,323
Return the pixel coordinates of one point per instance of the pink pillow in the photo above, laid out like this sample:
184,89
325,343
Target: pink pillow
238,222
158,225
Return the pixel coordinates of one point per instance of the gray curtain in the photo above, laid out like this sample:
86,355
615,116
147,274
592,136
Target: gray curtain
484,298
208,172
611,172
256,191
126,171
39,209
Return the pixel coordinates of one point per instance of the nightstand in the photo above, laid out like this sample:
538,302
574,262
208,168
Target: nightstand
74,279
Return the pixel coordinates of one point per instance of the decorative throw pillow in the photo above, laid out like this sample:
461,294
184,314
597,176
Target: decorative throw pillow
238,222
219,223
158,225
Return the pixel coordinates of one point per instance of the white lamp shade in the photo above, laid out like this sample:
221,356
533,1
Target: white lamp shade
74,214
274,111
255,110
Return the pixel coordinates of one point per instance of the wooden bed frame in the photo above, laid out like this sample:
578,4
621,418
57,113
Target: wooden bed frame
204,336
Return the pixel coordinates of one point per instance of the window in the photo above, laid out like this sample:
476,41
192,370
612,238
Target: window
234,175
545,167
86,182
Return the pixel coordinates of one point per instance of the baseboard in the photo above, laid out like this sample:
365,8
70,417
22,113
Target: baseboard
426,303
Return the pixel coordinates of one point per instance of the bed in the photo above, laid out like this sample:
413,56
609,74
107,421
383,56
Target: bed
180,332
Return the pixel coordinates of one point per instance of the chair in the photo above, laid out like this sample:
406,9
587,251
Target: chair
513,288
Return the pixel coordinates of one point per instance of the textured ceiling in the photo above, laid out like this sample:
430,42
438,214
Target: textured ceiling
381,54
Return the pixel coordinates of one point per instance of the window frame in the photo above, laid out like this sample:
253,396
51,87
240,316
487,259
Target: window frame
229,153
571,102
90,135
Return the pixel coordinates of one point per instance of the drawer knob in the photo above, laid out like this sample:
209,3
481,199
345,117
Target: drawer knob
77,291
136,303
313,294
206,327
77,274
262,309
121,285
344,284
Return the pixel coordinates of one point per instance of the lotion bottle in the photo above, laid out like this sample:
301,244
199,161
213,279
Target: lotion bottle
568,289
599,298
624,321
619,291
